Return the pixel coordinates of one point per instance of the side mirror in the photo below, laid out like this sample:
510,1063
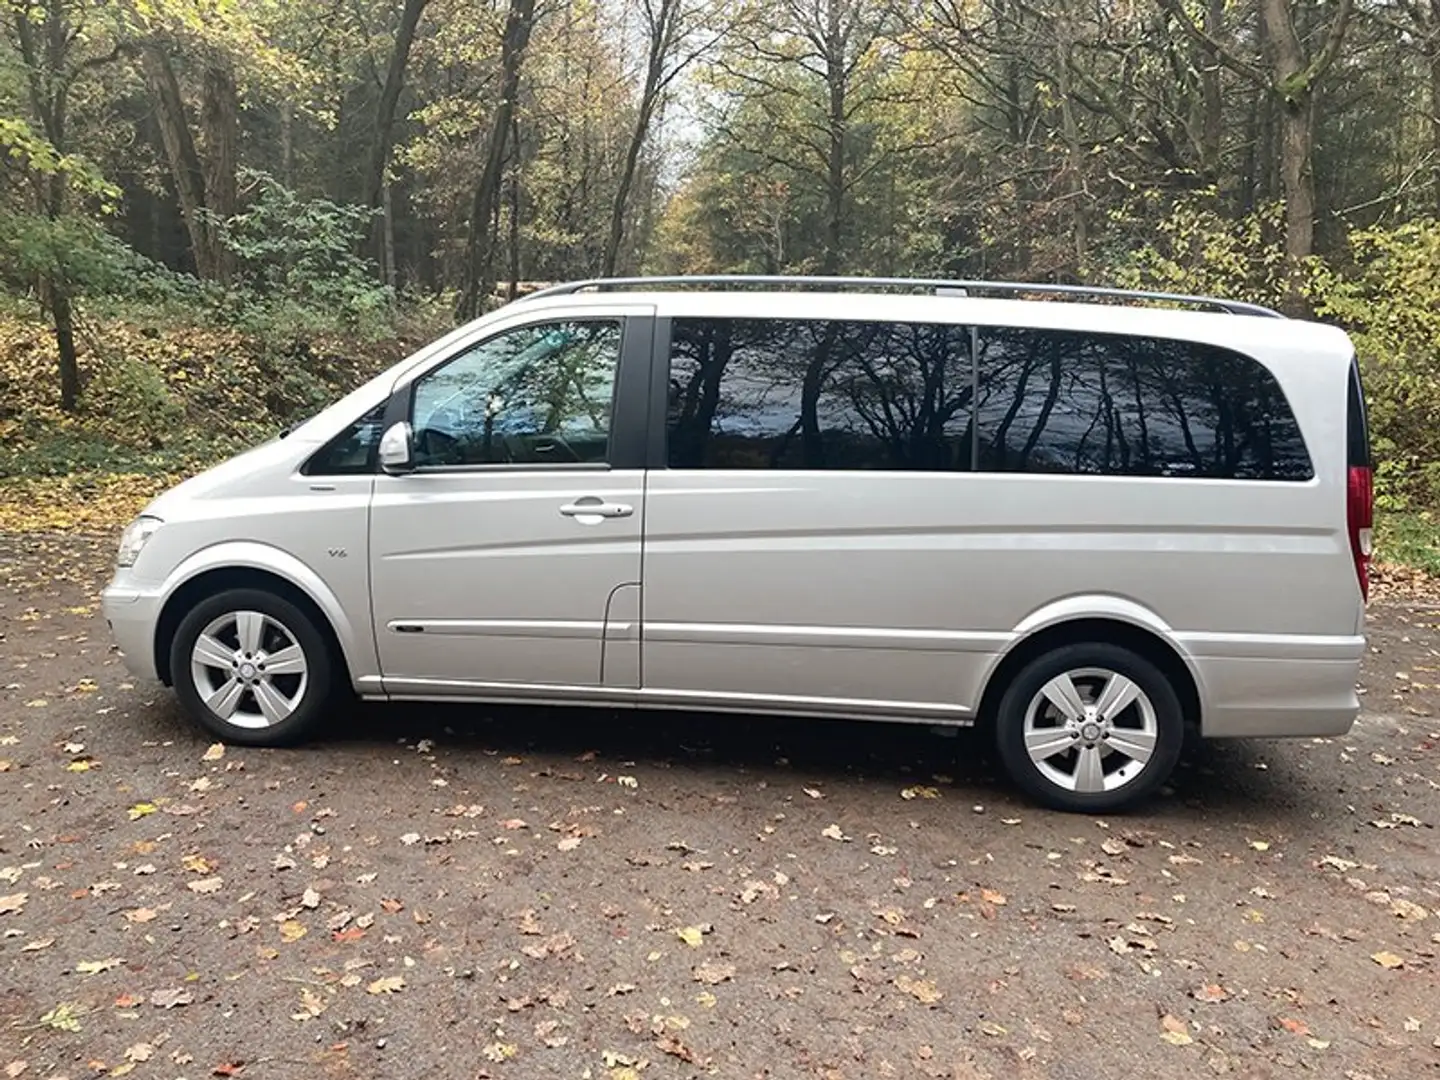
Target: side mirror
396,450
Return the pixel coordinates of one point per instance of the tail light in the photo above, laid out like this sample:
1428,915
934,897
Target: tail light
1360,515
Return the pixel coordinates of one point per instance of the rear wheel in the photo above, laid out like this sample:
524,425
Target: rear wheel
252,668
1090,727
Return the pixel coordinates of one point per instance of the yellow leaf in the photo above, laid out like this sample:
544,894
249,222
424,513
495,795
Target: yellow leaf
141,809
291,931
95,967
1388,960
922,990
83,765
389,984
215,752
691,935
1176,1038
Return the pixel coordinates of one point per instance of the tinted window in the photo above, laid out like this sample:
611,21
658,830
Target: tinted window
1064,402
533,395
819,394
353,450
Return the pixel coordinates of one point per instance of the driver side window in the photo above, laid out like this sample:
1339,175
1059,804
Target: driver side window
534,395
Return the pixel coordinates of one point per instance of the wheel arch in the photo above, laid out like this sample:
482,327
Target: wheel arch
242,566
1144,639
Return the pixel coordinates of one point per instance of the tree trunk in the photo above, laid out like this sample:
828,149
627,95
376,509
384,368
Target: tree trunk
1212,101
389,103
1434,64
1074,152
479,250
287,145
179,150
63,316
661,31
220,130
836,78
1297,138
387,236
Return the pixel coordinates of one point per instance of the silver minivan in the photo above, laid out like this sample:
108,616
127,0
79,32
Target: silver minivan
1087,525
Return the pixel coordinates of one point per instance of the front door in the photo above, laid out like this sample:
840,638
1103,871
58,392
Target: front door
494,562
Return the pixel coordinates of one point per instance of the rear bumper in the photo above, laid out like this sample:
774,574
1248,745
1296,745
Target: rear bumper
132,616
1282,697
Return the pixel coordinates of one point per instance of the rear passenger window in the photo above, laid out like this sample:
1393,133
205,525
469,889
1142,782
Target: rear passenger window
1064,402
819,394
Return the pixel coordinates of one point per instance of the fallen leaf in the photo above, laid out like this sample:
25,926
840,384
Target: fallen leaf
140,1052
128,1001
813,793
15,1068
922,990
691,935
1294,1026
990,896
14,903
196,864
389,984
568,843
310,899
1174,1031
498,1051
918,792
141,809
1260,845
627,781
206,885
64,1017
95,967
37,945
713,972
214,752
140,915
170,998
1388,960
311,1005
292,931
1405,909
514,823
833,832
1211,994
82,765
670,1044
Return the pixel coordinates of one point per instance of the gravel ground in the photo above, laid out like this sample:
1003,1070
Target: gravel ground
449,892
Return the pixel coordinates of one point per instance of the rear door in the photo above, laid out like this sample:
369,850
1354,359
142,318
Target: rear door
494,563
800,544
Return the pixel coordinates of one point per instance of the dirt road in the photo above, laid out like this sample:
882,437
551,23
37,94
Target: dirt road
478,893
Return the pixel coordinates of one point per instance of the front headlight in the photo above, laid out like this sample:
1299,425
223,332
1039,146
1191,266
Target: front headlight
133,540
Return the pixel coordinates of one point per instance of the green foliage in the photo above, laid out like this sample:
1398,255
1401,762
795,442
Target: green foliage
1388,298
1408,539
297,266
1198,248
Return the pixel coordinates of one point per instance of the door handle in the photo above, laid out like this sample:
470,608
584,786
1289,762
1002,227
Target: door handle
595,509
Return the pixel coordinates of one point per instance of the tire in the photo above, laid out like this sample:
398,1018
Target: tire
1052,741
271,687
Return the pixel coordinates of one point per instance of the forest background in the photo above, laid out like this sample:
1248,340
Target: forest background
215,215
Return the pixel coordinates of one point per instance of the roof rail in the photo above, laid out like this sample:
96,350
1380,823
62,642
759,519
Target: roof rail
939,286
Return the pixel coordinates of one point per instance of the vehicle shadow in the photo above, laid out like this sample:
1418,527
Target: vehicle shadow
1246,779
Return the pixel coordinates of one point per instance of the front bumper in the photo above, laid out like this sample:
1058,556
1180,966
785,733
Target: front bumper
132,616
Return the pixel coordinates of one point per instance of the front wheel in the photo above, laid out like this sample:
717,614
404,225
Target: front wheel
252,668
1090,728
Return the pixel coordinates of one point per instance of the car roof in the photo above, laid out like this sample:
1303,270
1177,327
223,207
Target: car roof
1106,312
